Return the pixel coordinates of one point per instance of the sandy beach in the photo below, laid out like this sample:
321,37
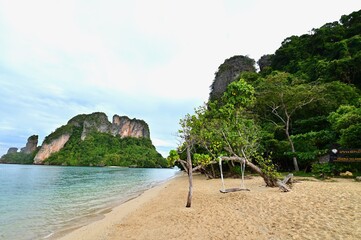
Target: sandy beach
312,210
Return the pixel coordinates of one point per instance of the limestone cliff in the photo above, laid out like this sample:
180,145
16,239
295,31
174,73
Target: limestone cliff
125,127
265,62
29,148
121,126
31,145
49,148
228,72
97,122
25,155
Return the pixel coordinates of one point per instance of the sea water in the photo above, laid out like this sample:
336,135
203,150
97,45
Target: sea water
38,201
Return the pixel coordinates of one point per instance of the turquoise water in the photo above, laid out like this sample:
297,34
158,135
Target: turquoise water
38,201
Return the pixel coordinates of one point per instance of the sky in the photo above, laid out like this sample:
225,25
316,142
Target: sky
147,59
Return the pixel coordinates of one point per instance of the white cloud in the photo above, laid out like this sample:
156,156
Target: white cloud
153,60
162,143
6,126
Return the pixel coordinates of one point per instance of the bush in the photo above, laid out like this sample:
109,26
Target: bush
334,169
322,169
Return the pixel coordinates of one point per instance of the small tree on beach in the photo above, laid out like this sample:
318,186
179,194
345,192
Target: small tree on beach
231,130
188,141
228,131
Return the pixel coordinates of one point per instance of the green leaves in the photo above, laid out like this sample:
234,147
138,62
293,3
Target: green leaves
226,129
201,159
346,121
173,156
239,94
345,116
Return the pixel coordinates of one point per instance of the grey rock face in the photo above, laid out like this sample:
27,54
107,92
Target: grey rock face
31,144
121,125
228,72
12,150
97,122
264,61
126,127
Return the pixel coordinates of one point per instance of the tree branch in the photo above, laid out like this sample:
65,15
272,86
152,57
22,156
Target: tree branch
275,112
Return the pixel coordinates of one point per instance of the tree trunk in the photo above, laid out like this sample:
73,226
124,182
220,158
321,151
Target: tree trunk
213,172
190,177
205,172
270,181
295,163
185,167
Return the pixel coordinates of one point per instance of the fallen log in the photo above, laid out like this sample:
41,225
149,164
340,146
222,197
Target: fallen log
283,185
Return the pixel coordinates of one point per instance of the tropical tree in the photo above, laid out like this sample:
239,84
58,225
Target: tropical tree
188,141
230,130
346,122
280,96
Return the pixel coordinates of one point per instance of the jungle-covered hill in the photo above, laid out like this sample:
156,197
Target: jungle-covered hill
91,140
304,100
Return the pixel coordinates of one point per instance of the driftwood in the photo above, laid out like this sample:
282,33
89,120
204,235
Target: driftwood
283,185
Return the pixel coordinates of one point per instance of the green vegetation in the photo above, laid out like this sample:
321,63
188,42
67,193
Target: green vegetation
228,129
103,149
65,129
346,123
89,145
306,101
330,53
18,158
334,169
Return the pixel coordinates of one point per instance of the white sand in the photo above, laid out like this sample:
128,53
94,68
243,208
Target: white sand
313,210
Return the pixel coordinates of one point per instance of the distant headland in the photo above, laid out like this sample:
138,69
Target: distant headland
91,140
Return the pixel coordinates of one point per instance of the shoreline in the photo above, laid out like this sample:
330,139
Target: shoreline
312,210
100,213
116,212
48,201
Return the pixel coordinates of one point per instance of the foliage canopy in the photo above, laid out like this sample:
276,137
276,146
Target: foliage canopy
305,100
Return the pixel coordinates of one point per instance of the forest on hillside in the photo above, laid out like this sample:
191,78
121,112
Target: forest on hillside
89,146
304,101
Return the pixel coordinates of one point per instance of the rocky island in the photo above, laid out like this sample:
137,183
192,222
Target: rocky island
92,140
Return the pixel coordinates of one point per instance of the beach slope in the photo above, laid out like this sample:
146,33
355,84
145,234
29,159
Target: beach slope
313,210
